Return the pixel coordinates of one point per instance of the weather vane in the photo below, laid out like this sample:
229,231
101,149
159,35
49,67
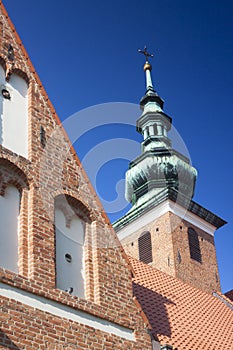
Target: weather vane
145,53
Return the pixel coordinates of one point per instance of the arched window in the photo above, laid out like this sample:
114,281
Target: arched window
145,247
9,213
14,188
194,246
70,236
14,113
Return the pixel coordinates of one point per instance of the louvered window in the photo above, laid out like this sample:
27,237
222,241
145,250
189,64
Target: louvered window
194,246
145,247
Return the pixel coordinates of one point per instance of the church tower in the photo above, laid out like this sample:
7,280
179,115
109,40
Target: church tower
165,227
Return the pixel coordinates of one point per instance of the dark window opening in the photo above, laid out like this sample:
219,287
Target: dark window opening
194,246
68,257
145,247
6,94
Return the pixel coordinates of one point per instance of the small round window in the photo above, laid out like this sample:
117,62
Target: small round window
68,258
6,94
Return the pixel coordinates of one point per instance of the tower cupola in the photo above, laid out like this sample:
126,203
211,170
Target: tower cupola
159,168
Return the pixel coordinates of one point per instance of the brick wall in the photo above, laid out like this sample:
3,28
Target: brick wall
171,254
48,172
26,327
162,245
203,275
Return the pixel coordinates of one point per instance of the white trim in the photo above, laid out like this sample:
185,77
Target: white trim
161,209
64,311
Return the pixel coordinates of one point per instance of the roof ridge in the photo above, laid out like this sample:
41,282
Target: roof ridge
224,299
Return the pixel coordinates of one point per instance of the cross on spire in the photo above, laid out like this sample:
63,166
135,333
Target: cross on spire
145,53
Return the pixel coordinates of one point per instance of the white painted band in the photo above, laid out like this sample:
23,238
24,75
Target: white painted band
64,311
160,210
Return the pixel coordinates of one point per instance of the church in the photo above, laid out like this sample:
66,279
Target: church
69,279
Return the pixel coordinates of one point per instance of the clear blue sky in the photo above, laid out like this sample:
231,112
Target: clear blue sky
85,53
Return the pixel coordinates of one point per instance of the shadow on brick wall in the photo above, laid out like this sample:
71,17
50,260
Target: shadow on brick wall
6,342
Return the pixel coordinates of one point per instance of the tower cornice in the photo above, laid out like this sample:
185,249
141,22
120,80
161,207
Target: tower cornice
170,200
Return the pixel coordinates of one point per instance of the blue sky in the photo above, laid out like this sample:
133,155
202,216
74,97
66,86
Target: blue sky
85,53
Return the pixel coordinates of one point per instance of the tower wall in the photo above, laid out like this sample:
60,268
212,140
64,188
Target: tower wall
203,275
162,243
171,251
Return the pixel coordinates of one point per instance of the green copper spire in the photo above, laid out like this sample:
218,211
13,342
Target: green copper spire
159,168
153,124
150,94
147,69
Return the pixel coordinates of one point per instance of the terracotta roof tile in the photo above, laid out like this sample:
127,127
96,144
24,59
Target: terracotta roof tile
181,315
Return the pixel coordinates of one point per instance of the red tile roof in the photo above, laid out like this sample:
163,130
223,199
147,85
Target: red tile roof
181,315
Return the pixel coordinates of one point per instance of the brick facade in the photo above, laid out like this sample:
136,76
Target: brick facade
171,254
54,170
162,245
202,275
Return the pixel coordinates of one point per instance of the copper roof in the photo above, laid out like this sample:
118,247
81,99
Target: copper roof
181,315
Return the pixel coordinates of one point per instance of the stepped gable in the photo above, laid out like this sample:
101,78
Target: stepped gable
181,315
